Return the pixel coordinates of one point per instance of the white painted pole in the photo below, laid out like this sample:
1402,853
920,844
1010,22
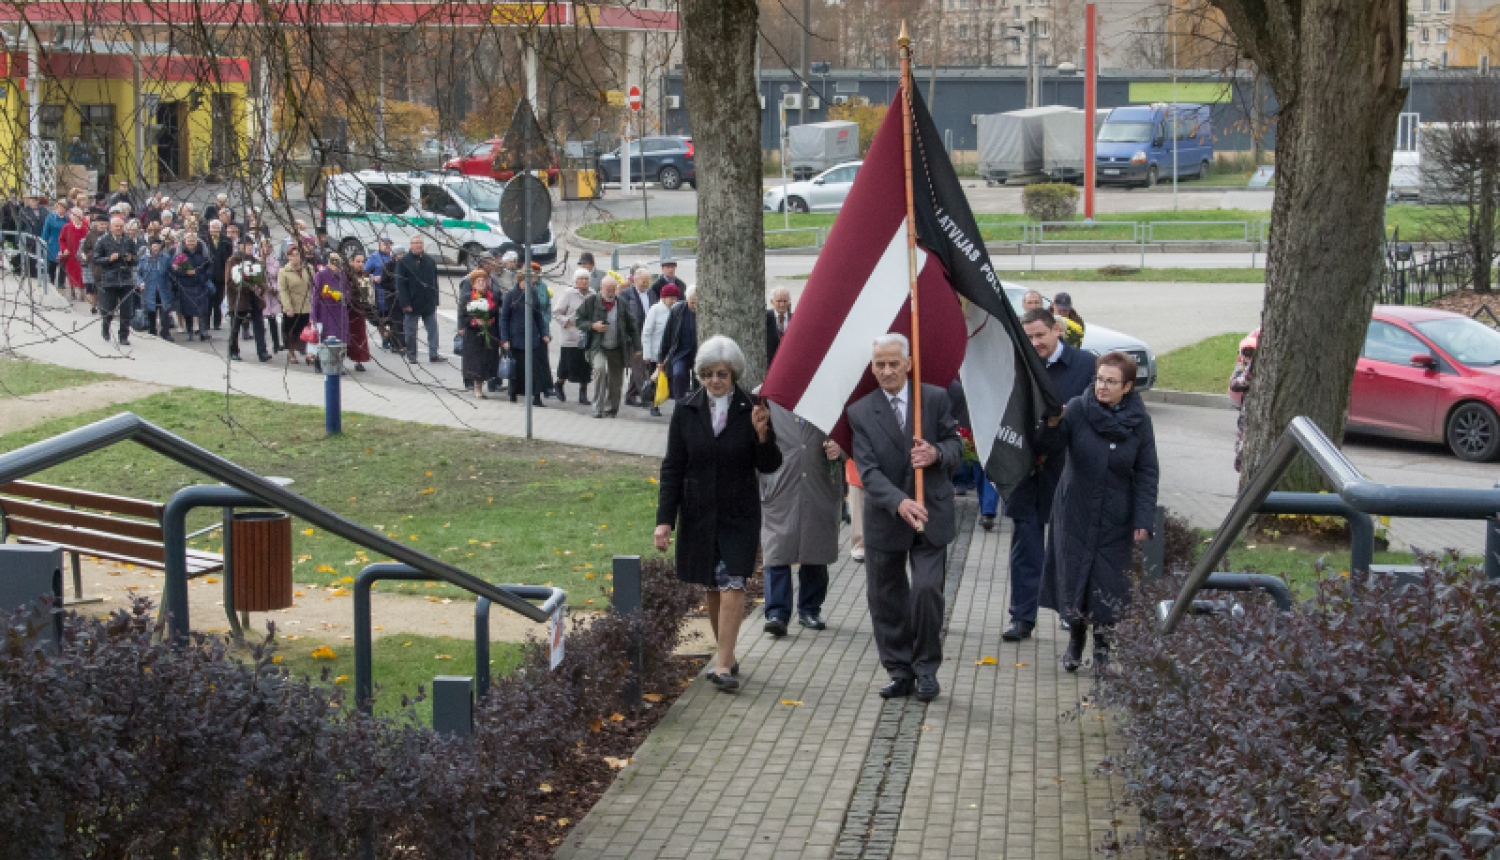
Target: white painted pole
34,111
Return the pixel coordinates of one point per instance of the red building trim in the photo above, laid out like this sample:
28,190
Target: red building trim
396,13
77,67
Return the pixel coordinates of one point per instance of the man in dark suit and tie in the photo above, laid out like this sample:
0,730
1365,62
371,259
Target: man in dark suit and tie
777,319
1030,504
907,616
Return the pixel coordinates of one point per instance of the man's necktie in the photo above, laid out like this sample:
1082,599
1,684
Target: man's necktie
900,412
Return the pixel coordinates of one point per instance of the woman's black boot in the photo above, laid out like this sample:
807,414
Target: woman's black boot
1078,633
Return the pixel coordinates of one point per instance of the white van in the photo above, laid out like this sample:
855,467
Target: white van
459,216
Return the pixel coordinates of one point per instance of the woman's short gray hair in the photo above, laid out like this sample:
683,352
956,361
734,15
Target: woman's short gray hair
894,339
720,350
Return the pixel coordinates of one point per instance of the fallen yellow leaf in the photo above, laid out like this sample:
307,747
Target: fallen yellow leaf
790,702
340,679
323,652
442,656
562,822
986,661
347,579
429,491
429,474
277,659
617,718
405,644
545,788
616,763
309,532
211,580
652,697
1021,665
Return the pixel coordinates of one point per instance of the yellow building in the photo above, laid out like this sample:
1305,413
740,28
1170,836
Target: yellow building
189,120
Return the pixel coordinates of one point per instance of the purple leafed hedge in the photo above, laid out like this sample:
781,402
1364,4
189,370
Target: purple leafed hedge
124,747
1366,724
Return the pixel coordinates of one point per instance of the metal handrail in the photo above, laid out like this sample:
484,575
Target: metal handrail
1245,235
364,664
1362,494
38,456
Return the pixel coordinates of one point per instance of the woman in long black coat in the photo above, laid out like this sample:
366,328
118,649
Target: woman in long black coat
1106,501
718,441
481,333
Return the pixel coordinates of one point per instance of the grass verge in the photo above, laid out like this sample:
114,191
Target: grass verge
19,377
402,663
1169,275
1204,366
503,509
1416,223
1299,565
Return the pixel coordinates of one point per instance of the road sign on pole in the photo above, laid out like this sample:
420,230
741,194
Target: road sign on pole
633,98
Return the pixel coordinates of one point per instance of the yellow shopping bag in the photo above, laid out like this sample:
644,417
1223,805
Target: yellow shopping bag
663,391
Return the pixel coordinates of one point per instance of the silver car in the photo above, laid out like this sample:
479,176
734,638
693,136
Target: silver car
823,193
1099,340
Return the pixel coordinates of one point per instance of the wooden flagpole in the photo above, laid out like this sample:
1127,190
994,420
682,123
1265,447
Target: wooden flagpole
911,251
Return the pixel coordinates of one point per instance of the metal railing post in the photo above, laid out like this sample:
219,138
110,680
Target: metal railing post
481,648
614,260
1154,550
174,591
1492,545
626,599
1036,235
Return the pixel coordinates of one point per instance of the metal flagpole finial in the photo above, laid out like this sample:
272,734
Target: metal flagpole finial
904,40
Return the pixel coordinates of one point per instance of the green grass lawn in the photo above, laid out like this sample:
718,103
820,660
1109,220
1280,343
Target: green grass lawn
1193,276
402,663
19,377
502,509
1204,366
1417,223
1299,566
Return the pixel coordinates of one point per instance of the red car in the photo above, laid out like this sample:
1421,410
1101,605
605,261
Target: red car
480,161
1427,375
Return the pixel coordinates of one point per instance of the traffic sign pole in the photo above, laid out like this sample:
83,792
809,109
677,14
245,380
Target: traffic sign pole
633,98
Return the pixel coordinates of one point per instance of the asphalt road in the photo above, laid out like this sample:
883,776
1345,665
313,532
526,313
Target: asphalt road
1196,446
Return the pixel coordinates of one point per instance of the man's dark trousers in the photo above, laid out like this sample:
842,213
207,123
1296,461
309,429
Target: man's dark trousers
1027,554
812,589
907,617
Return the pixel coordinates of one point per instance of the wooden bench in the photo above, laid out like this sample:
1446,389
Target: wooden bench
81,523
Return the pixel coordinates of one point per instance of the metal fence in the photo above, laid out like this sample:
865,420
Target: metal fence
1140,235
1413,277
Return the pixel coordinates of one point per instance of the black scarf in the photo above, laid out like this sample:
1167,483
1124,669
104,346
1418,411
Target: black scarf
1115,423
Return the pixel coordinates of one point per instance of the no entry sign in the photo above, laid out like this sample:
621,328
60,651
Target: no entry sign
633,98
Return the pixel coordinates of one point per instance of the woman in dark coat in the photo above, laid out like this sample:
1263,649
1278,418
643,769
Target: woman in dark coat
513,337
481,351
710,492
189,271
1106,501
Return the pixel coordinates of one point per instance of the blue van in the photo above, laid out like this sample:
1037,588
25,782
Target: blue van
1135,143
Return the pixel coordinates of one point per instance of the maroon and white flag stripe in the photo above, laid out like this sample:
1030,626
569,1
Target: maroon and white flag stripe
859,290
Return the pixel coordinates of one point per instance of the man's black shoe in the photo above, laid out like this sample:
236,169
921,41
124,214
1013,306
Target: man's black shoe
1017,631
811,622
987,522
898,688
776,627
234,356
927,688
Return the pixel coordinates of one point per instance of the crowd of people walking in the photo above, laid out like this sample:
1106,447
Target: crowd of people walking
742,475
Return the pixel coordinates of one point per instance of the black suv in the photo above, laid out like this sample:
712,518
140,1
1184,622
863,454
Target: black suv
668,160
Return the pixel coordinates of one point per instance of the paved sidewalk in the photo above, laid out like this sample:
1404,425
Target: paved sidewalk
988,770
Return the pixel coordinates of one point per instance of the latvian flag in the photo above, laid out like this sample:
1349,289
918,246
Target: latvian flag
859,289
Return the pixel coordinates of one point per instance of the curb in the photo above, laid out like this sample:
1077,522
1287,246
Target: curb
1189,398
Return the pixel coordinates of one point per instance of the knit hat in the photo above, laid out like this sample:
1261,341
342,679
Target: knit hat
670,291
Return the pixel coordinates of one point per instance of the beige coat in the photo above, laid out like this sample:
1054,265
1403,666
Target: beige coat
565,312
802,502
295,290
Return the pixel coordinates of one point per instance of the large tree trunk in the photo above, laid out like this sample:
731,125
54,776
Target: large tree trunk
1335,66
718,63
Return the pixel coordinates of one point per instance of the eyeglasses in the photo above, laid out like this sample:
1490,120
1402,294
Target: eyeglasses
716,374
1106,382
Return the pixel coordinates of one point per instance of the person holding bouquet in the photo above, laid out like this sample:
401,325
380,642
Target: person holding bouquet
330,302
195,292
361,311
270,301
294,291
480,323
246,279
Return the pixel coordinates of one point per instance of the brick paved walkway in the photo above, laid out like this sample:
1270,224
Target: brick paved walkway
988,770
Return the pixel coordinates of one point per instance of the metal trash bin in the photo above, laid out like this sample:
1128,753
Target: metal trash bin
260,562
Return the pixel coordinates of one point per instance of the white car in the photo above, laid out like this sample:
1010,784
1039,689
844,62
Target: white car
1098,340
823,193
